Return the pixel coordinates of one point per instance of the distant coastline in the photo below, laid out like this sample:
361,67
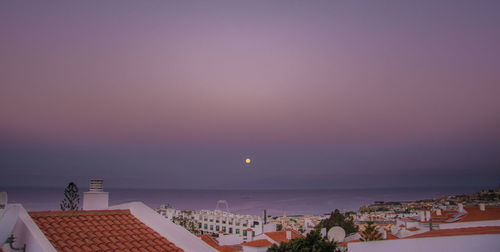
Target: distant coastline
294,202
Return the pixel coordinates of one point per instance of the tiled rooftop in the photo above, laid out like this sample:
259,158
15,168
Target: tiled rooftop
100,230
258,243
280,236
213,243
459,231
472,213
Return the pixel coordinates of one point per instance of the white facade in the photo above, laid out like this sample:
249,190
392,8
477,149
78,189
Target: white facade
220,222
26,232
484,243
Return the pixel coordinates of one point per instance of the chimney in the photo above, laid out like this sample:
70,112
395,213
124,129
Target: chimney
382,231
438,211
288,235
95,198
249,235
427,215
323,232
460,207
482,206
421,215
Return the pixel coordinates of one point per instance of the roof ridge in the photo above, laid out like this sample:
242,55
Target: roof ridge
79,213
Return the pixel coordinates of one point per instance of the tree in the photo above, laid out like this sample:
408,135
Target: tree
187,222
313,242
370,233
279,227
338,219
71,198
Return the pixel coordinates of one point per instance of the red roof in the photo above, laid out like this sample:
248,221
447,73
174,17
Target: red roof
214,244
472,213
99,230
390,236
459,231
258,243
280,236
475,214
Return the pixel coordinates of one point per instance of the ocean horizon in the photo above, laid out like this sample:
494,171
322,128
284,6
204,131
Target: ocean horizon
241,201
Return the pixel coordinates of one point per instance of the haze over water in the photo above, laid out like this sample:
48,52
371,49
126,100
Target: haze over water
294,202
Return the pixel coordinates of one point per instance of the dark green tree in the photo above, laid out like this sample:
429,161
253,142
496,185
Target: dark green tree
71,198
279,227
370,233
338,219
313,242
187,222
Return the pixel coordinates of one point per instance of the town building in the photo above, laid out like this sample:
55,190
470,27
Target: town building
98,227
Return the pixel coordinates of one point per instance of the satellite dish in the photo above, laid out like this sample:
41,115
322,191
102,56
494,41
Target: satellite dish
8,221
336,234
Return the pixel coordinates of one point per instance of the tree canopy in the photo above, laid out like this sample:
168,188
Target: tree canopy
313,242
338,219
370,233
71,198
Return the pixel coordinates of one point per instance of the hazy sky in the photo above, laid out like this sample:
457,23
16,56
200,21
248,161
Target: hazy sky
320,94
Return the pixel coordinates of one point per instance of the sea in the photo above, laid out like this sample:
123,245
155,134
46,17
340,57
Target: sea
275,202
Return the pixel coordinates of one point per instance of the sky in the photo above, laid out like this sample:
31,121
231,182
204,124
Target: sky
319,94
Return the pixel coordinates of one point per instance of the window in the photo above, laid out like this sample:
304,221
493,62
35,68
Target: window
212,227
217,228
199,225
224,229
205,226
244,232
237,231
230,230
211,220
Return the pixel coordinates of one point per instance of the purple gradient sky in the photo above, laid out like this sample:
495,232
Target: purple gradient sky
321,94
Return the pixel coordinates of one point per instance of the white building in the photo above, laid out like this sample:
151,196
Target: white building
99,227
221,222
473,228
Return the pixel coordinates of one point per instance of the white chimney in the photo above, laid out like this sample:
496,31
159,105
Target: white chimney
95,198
382,231
427,215
249,235
460,207
482,206
438,211
323,232
421,215
288,235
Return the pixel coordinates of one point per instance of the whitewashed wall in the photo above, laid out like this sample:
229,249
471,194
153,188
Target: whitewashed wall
483,243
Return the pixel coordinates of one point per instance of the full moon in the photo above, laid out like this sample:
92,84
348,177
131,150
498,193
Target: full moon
248,160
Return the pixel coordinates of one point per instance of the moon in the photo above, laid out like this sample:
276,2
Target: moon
248,160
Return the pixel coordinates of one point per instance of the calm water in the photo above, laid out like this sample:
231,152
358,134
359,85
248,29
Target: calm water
294,202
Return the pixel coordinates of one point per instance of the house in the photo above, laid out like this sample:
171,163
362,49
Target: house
98,227
472,228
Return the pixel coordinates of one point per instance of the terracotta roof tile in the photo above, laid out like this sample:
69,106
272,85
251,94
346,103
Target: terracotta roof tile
258,243
102,230
280,236
459,231
213,243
